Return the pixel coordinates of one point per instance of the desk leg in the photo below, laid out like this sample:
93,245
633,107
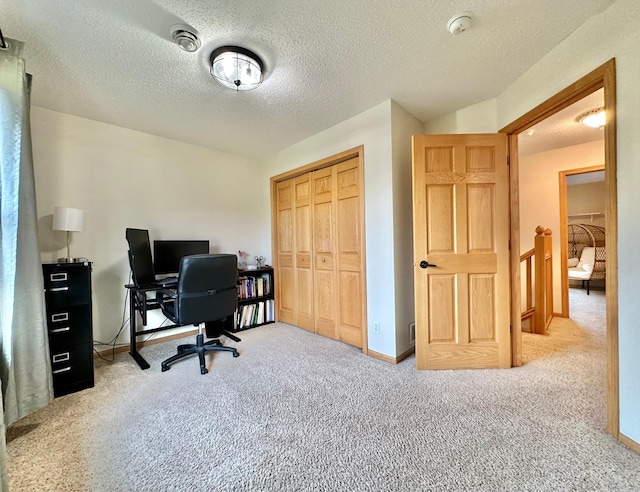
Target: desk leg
133,349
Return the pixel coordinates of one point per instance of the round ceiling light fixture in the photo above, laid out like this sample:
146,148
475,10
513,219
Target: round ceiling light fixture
596,118
186,37
459,23
236,68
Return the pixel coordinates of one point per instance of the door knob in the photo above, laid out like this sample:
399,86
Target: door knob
426,264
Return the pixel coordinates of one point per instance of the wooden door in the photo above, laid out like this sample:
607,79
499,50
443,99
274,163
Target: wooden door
302,247
349,252
325,298
461,226
285,277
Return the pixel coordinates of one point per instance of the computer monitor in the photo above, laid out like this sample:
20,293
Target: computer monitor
167,254
140,256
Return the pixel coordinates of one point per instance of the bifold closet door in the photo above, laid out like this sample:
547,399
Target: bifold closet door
302,247
324,292
319,277
285,279
348,247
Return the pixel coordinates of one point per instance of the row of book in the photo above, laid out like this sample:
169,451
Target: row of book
249,286
254,314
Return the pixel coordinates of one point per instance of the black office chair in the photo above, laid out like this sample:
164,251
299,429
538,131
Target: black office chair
206,293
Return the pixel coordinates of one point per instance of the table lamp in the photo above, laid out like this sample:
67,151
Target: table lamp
67,219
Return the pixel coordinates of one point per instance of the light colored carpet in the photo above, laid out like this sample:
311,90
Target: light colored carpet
300,412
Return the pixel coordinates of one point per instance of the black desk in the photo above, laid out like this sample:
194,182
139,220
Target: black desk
138,302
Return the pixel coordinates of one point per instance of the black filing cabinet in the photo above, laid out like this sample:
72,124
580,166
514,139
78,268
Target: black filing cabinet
67,288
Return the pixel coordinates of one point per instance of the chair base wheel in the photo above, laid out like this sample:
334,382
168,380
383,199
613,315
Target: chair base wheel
199,348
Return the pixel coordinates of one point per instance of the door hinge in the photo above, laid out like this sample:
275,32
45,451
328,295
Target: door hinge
511,329
509,244
508,160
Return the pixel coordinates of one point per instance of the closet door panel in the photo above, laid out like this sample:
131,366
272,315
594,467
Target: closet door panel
325,294
303,263
349,253
285,228
325,308
350,330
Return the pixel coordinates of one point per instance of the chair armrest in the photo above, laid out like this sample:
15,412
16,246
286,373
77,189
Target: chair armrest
162,295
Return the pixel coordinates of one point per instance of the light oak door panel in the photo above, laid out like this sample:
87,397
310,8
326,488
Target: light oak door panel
303,247
349,252
461,225
285,285
325,294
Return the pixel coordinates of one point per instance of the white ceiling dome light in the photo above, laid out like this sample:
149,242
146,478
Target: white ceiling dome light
236,68
459,23
596,118
186,37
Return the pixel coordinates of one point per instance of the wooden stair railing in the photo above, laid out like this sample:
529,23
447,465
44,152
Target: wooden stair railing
539,289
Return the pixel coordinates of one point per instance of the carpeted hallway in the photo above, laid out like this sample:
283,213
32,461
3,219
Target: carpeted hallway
300,412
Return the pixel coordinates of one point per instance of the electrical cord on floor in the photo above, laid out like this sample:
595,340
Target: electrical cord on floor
113,342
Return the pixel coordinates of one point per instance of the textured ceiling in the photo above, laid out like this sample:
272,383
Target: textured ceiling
562,129
326,60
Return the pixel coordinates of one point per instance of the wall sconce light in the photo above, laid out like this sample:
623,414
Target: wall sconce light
236,68
596,118
69,220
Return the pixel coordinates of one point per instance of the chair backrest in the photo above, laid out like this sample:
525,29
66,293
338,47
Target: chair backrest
587,258
206,288
140,259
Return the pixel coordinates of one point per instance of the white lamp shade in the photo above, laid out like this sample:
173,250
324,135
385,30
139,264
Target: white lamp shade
67,219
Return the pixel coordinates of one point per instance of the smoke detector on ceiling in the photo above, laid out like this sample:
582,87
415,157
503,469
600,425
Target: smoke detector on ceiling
459,23
186,37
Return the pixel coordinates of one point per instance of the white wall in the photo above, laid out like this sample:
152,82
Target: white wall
479,118
123,178
611,34
403,126
373,130
587,198
540,197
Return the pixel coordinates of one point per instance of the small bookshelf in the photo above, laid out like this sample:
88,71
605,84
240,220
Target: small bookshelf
256,305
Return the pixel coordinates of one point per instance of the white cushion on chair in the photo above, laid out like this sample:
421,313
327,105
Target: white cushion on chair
587,267
572,262
582,271
579,274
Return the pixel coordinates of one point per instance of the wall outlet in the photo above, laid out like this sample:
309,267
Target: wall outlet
412,333
376,327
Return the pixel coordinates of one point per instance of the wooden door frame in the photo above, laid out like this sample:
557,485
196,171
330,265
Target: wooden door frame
564,254
358,153
603,77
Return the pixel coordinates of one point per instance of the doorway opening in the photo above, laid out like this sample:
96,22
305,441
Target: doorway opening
583,216
602,77
562,189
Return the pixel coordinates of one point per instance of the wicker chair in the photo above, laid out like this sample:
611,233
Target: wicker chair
592,266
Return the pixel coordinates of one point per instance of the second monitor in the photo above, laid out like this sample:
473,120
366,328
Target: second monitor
167,254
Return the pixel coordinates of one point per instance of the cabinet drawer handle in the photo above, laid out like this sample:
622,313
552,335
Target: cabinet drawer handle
64,369
58,277
61,357
60,317
61,330
59,289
